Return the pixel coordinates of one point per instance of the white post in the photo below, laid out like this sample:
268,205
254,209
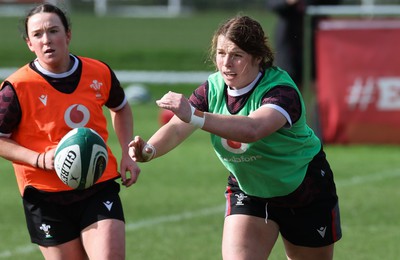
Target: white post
100,7
367,2
174,7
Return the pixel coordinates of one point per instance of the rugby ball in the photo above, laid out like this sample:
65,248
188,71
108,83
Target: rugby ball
80,158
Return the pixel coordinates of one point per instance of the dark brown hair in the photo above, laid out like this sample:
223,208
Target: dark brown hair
248,35
45,8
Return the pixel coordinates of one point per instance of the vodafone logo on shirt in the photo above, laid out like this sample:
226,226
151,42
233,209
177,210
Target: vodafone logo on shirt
76,115
233,146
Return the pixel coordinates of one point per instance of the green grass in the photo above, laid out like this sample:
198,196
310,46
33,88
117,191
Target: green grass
133,43
175,211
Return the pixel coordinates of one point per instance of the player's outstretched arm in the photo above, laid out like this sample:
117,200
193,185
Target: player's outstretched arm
164,140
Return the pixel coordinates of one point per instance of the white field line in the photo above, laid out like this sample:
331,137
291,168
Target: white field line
163,77
370,178
29,248
174,218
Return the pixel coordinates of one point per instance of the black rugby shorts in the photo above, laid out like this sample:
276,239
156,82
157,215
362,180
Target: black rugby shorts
309,216
51,223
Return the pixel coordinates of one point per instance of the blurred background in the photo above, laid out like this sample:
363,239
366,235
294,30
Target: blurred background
349,75
339,52
162,7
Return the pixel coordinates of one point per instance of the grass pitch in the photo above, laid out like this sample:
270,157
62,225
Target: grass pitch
175,211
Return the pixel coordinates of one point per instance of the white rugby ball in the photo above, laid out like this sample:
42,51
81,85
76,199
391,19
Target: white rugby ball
80,158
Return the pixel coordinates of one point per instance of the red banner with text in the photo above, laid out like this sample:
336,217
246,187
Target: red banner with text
358,81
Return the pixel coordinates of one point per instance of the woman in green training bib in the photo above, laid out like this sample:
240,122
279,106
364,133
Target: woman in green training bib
279,179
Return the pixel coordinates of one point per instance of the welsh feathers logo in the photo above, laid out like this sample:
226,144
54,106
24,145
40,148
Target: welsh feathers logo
96,85
233,146
76,116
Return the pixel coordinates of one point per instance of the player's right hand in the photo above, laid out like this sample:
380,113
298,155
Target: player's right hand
140,150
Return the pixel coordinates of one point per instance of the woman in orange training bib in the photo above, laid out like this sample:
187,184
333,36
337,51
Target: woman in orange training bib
39,104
